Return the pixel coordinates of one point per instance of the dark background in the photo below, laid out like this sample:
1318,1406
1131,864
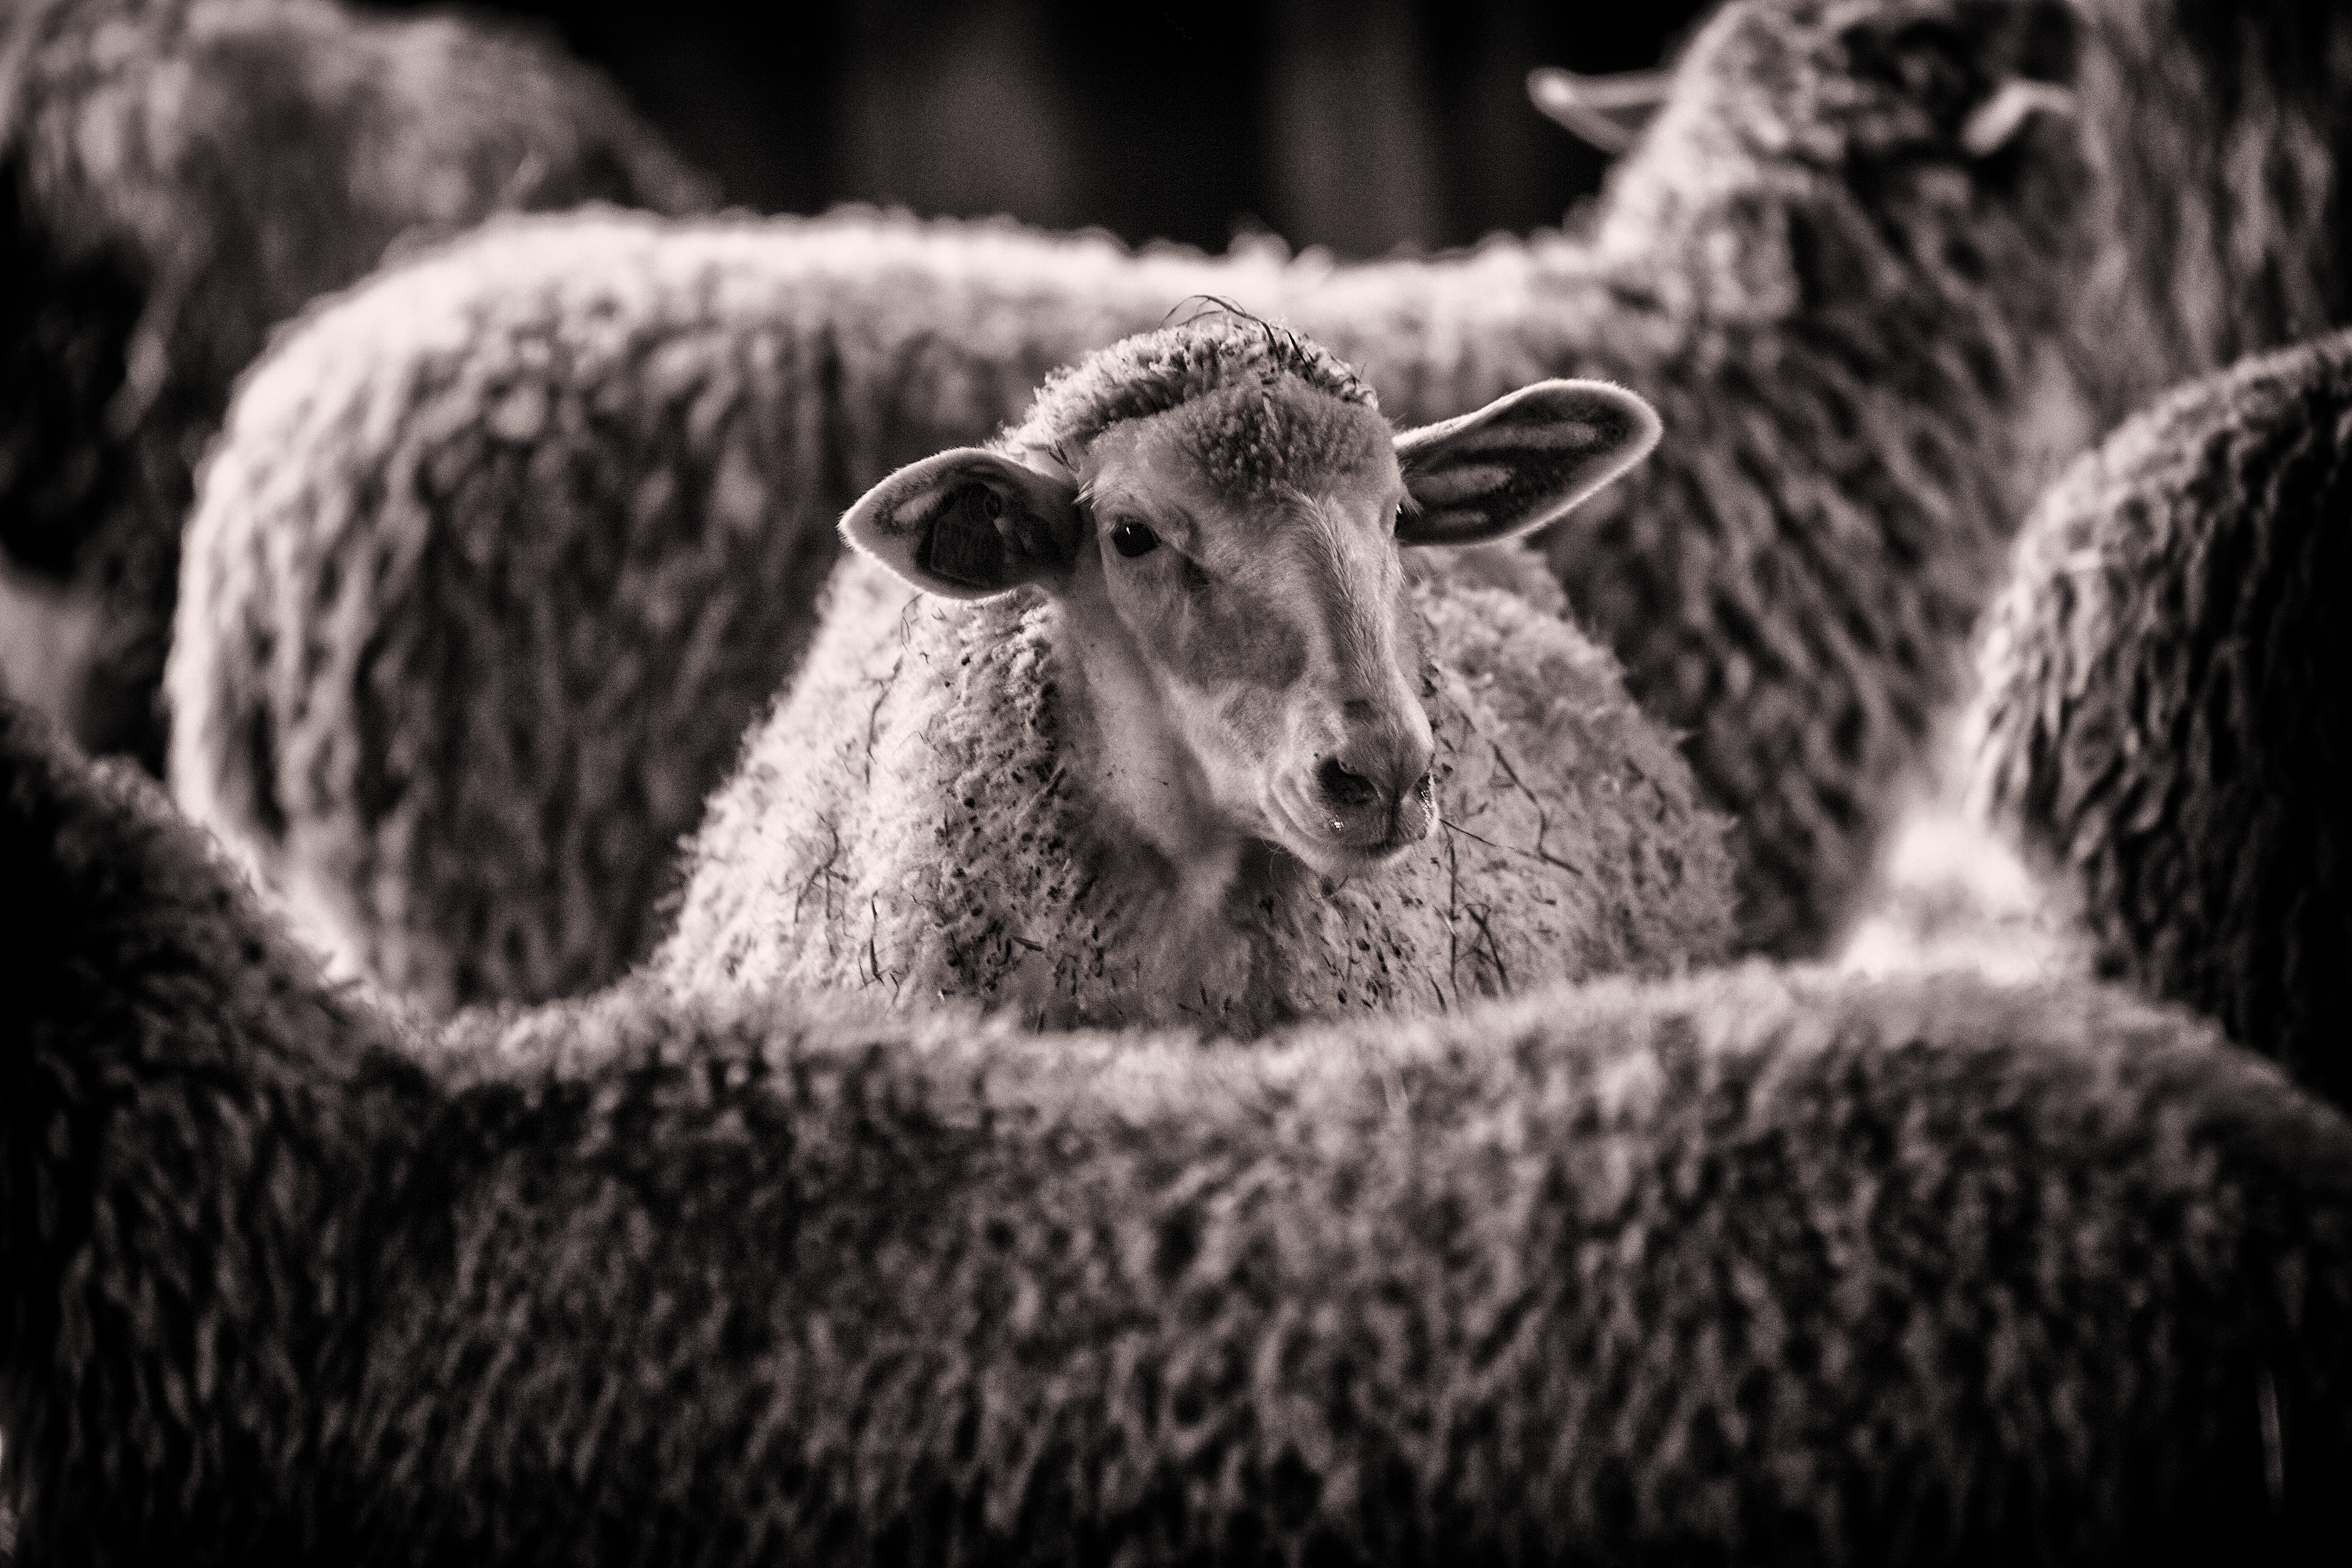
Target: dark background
1362,125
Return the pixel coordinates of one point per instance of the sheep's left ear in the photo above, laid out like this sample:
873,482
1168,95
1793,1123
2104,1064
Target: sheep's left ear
968,524
1519,462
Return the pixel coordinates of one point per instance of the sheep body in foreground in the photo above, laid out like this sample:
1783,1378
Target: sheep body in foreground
2165,724
177,177
1854,320
1196,690
1748,1266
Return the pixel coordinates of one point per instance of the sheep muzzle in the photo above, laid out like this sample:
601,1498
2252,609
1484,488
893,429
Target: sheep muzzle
1372,799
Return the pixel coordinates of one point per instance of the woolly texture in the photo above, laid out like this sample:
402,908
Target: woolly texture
2226,130
904,823
1748,1269
190,1131
1870,347
177,177
2167,724
499,853
1154,373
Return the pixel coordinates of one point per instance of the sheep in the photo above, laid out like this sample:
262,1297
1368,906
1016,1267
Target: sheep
2164,727
176,176
1756,1266
1161,737
1875,302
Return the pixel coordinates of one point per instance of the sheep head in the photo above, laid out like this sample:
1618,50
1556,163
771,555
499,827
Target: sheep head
1233,597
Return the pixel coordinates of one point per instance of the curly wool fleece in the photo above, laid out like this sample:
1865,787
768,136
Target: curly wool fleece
1743,1268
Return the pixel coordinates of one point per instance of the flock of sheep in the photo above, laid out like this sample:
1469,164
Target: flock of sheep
1137,1013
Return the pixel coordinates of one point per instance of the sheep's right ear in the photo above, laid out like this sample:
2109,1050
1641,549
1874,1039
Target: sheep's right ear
968,524
1519,462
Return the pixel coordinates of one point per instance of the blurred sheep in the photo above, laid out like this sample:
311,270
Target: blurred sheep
176,178
2167,722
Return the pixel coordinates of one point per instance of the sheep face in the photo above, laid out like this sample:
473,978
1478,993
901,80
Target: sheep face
1229,582
1278,657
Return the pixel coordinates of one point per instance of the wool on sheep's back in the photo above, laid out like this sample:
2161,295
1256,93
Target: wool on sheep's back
1750,1267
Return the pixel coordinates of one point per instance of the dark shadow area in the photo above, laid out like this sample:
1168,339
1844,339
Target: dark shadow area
1359,124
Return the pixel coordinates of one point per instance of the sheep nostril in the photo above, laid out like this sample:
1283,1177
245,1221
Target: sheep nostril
1425,788
1345,790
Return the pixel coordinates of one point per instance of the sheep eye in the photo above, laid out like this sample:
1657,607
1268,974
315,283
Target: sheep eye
1132,539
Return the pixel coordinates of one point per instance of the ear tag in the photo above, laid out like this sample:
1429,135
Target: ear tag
963,545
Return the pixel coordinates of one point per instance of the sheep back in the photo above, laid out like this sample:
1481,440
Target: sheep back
1748,1267
2220,126
443,519
904,821
1745,1267
2166,721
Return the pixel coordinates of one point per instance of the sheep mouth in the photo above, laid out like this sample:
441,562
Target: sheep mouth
1338,863
1369,857
1340,855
